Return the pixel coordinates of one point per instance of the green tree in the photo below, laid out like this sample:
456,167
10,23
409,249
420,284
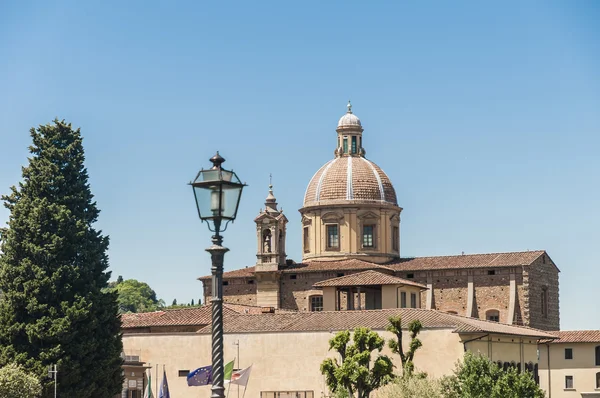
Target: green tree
53,269
136,296
414,328
192,303
174,303
15,382
478,377
354,373
411,387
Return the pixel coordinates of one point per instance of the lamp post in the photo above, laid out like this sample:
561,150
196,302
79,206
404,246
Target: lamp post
217,192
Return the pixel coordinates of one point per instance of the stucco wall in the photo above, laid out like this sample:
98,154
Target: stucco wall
582,367
281,361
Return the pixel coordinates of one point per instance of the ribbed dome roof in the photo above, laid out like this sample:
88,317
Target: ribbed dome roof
349,120
349,179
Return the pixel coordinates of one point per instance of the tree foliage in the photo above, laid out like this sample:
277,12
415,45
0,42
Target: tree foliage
15,382
414,328
411,387
135,296
478,377
354,373
53,269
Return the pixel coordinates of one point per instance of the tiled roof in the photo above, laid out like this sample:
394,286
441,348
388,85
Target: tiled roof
196,316
577,336
374,319
488,260
350,179
367,278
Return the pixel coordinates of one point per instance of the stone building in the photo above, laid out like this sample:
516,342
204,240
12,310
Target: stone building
350,224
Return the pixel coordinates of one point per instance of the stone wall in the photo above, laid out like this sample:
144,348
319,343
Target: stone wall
236,291
295,292
541,275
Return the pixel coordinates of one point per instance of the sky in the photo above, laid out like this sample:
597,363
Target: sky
486,117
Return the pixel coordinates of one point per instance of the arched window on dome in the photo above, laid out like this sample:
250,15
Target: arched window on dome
354,150
345,144
492,315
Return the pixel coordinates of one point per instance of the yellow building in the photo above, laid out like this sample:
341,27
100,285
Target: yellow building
286,349
570,365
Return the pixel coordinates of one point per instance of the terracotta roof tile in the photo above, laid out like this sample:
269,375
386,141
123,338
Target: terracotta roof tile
374,319
577,336
486,260
367,278
196,316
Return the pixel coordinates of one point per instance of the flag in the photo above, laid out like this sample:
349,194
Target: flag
228,370
164,388
200,377
241,376
148,392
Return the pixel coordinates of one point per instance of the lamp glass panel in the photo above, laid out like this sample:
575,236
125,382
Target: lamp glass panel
205,200
230,200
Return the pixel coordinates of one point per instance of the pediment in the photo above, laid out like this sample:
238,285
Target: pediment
332,217
369,215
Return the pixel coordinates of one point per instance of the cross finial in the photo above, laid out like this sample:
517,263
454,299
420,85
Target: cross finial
349,106
270,181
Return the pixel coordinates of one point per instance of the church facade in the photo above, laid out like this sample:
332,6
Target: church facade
351,259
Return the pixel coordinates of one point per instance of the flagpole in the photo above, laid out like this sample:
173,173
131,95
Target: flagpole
156,381
238,365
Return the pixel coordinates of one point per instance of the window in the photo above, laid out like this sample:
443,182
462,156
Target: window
340,274
402,299
287,394
183,373
598,356
354,144
568,353
225,283
410,276
251,281
333,239
316,303
413,300
492,272
544,302
306,240
569,382
293,276
395,238
345,144
368,235
493,315
598,380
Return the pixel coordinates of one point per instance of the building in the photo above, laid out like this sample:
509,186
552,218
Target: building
286,348
570,365
350,223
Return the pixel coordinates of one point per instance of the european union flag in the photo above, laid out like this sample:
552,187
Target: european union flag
164,388
200,376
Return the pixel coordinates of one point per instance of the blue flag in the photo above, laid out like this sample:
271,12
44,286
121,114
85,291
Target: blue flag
200,377
164,388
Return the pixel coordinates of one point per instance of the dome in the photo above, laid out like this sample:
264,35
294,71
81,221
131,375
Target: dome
349,179
349,120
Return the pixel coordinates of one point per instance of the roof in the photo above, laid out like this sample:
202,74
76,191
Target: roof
577,336
350,179
486,260
194,316
374,319
367,278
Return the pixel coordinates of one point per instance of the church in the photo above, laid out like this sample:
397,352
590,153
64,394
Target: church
351,259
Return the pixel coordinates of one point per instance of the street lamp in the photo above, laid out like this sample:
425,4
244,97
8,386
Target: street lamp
217,192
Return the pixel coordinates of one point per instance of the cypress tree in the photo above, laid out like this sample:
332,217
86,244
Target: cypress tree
53,268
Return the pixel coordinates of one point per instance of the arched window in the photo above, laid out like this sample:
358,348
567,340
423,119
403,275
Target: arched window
493,315
267,241
598,355
598,380
316,303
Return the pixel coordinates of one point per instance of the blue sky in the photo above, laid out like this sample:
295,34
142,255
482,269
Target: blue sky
485,116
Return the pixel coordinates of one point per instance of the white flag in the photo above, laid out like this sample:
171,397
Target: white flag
241,376
148,392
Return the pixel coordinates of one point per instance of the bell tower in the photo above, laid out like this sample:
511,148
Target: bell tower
271,226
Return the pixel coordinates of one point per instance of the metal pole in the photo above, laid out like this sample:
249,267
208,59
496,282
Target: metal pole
156,381
55,379
217,253
239,366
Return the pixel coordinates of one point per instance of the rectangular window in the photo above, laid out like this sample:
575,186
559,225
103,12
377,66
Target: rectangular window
402,299
410,276
598,355
491,272
368,235
183,373
568,353
569,382
333,240
306,240
345,144
354,144
413,300
316,303
395,238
